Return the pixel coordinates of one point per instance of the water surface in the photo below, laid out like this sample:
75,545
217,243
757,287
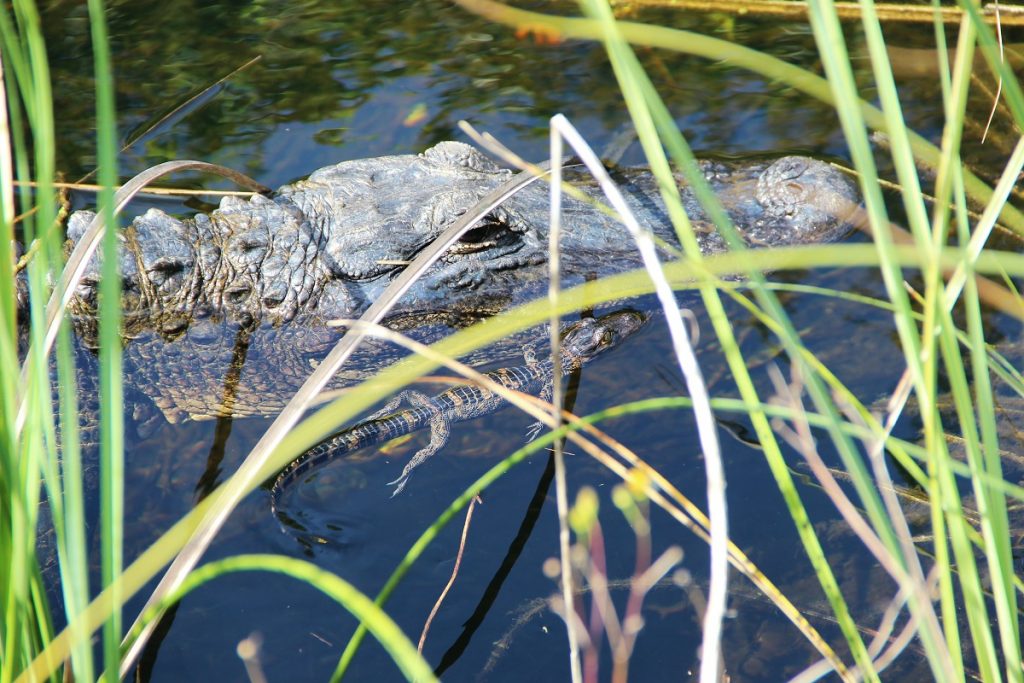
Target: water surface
358,79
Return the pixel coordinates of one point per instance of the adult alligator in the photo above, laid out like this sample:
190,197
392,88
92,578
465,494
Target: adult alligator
325,247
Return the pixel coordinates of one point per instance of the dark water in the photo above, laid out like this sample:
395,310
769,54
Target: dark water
352,80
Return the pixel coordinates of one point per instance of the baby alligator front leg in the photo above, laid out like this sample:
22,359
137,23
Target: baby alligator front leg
440,429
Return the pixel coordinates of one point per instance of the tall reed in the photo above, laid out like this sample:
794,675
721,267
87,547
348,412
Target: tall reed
973,566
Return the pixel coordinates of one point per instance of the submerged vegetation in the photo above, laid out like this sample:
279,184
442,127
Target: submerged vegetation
960,587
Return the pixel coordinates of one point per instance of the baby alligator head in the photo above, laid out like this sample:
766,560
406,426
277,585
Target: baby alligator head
590,337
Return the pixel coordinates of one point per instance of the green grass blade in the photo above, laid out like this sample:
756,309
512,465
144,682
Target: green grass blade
26,626
111,392
629,75
831,46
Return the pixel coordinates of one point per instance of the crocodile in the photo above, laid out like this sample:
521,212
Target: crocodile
276,269
582,341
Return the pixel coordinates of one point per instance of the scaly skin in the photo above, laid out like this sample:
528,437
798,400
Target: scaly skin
325,247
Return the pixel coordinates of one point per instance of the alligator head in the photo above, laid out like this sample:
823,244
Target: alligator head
378,213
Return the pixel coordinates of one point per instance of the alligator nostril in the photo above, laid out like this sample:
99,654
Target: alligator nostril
272,300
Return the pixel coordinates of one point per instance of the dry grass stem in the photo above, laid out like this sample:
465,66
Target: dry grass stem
999,85
658,489
455,573
561,485
157,191
908,574
918,586
802,441
849,11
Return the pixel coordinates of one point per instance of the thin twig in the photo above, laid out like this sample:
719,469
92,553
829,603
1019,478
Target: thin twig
999,85
159,191
163,119
455,572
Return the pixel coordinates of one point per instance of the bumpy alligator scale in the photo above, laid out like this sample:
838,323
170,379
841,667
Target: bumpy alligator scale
262,276
581,342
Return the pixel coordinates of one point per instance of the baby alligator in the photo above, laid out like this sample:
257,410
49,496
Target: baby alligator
581,341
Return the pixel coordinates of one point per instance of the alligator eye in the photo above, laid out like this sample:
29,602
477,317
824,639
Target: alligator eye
166,266
238,294
163,269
